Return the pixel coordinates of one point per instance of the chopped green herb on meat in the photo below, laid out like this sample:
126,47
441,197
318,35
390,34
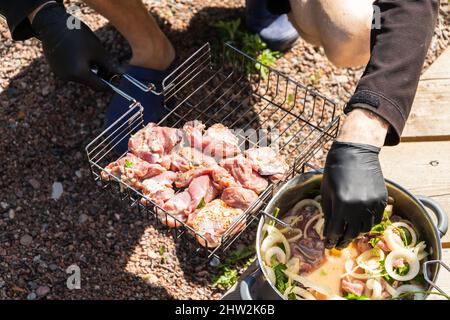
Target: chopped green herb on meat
201,204
128,163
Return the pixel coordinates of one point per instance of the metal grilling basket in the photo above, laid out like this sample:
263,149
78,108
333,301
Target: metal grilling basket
267,107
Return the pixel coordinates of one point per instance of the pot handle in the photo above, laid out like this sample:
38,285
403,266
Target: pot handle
247,283
312,168
427,277
439,213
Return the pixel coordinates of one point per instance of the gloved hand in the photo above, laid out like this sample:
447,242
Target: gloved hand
72,53
354,193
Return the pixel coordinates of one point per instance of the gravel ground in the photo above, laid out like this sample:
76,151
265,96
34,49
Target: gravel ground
51,215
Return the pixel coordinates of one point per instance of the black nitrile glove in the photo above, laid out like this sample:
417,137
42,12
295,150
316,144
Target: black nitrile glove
354,193
72,52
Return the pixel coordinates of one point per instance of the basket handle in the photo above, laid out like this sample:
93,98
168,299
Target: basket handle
247,283
146,88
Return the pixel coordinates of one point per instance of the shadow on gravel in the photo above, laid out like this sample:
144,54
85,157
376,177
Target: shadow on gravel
47,123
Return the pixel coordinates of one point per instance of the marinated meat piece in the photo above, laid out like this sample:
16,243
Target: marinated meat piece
152,143
238,197
399,263
166,179
194,134
201,188
267,163
242,171
131,170
311,253
178,207
156,191
219,142
222,178
212,221
184,179
362,244
310,249
383,246
354,286
188,158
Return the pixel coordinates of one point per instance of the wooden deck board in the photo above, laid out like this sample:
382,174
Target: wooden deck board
430,114
423,168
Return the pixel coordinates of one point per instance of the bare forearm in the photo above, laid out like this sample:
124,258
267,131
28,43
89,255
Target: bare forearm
364,126
130,17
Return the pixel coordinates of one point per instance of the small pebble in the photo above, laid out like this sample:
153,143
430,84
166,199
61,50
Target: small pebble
53,267
32,285
4,205
57,190
32,296
11,214
42,291
34,183
83,218
26,240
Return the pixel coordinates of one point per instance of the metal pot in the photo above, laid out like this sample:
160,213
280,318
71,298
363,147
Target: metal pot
409,206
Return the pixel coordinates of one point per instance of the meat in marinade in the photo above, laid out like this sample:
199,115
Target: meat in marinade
153,143
267,163
242,171
131,170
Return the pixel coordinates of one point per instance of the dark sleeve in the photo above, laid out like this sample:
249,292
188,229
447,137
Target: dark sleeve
398,51
16,13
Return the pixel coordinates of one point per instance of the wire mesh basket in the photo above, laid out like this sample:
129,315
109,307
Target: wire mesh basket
262,105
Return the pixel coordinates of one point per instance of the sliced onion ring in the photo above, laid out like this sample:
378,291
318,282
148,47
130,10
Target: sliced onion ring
376,288
271,275
293,265
309,284
293,230
319,227
411,231
393,240
303,203
299,292
274,251
363,259
309,223
273,237
352,272
410,258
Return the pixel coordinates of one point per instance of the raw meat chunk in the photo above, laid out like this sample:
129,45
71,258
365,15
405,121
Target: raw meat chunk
188,158
242,171
131,170
152,143
238,197
222,178
201,189
219,142
156,192
267,163
184,179
177,208
213,220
